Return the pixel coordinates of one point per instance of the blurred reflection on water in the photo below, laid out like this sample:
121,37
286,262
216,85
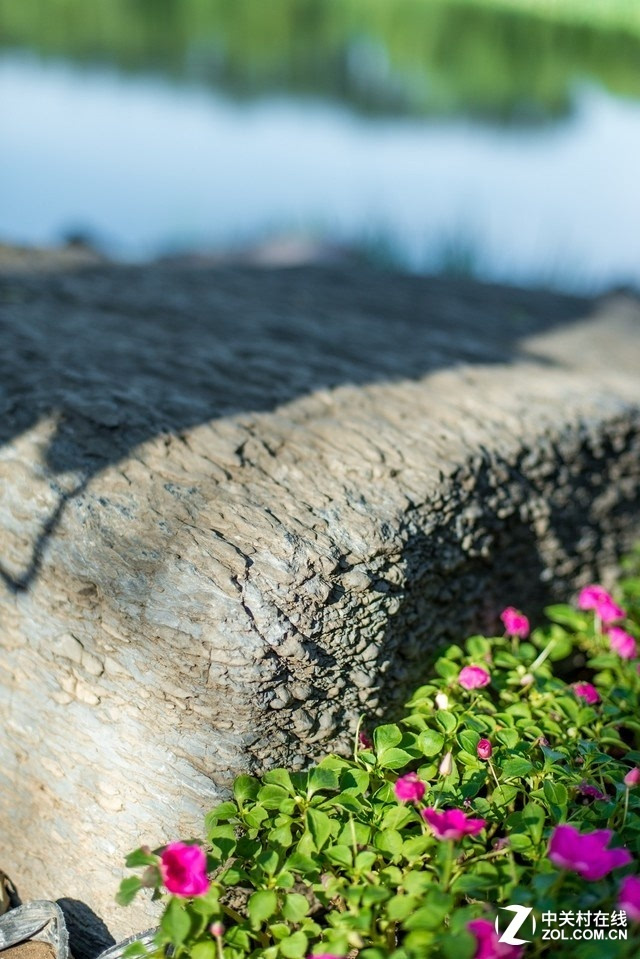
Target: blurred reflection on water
472,142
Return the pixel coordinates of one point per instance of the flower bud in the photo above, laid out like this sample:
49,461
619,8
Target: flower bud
484,749
632,778
217,930
151,877
442,701
446,766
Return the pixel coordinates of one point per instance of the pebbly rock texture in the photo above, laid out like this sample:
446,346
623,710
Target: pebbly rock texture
238,507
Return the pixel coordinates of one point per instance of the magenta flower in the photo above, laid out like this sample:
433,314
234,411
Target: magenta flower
599,600
515,622
629,898
217,930
452,823
484,749
324,955
591,792
587,692
488,945
473,677
364,741
622,643
632,778
585,853
409,788
184,870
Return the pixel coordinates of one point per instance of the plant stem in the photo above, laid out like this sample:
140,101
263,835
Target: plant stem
543,655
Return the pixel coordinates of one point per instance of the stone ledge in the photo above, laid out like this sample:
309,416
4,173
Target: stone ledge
238,507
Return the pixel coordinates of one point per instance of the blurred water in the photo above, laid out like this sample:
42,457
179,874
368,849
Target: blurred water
145,166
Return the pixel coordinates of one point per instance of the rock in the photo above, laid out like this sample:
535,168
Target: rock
239,506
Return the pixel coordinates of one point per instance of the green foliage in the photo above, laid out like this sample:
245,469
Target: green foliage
513,59
329,860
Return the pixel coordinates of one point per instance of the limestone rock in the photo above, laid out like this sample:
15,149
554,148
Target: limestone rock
240,506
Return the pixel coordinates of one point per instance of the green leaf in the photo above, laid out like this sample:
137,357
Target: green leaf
319,826
296,907
555,793
203,950
446,720
520,842
567,616
508,738
300,863
295,946
226,810
261,906
394,759
340,854
246,787
431,915
389,841
445,668
176,923
279,777
268,861
396,817
272,797
322,778
469,740
533,819
140,857
516,768
238,938
223,840
504,794
431,742
385,737
133,950
128,890
401,907
462,945
355,781
478,646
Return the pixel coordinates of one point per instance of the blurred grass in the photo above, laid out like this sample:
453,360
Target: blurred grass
619,15
506,59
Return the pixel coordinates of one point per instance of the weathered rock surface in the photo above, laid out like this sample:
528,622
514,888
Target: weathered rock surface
237,507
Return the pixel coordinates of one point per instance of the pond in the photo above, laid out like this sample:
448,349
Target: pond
420,133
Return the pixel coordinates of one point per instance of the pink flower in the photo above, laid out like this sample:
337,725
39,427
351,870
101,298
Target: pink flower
587,692
515,623
324,955
473,677
487,944
364,741
484,749
409,788
217,930
632,778
629,898
184,870
599,600
585,853
622,643
591,792
452,823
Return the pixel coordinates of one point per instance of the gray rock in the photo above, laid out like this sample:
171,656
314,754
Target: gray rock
238,507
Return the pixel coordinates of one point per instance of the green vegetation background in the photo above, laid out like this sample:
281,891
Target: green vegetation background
506,59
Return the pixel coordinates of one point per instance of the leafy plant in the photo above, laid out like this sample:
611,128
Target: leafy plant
492,790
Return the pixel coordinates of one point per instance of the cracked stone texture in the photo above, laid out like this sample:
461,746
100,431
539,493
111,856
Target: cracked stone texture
239,506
